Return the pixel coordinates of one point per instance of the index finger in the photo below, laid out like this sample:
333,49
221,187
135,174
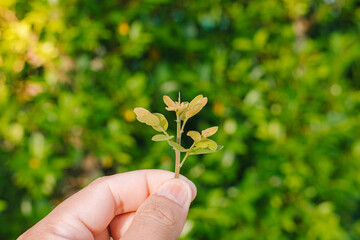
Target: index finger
91,210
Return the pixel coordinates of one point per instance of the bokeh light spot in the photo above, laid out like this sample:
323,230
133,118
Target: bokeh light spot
129,115
124,29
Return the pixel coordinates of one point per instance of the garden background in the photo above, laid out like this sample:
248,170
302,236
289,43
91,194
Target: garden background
283,82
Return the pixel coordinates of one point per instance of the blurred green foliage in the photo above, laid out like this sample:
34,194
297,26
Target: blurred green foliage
283,82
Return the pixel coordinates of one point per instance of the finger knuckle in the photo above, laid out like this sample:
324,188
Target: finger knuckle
99,180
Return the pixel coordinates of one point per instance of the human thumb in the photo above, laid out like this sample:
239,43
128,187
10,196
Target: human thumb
162,215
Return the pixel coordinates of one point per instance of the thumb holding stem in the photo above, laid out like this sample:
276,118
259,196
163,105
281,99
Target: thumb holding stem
162,216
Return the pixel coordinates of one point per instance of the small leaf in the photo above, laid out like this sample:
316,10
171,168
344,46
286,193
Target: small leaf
183,115
144,116
149,119
198,151
204,101
194,135
177,146
209,132
141,112
163,122
212,145
161,137
170,103
195,109
184,110
195,100
202,144
206,143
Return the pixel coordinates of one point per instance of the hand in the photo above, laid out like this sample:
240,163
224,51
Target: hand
145,204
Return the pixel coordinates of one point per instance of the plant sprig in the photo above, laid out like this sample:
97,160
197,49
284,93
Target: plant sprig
183,110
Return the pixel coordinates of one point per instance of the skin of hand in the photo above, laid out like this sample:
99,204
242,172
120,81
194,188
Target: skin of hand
144,204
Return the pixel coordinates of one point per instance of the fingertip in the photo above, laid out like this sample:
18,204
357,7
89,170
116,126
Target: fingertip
151,173
163,214
191,185
176,190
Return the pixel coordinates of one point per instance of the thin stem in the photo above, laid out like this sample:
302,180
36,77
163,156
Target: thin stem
178,141
163,130
183,125
182,162
187,154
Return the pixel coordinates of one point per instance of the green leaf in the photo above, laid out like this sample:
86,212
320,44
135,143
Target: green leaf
198,151
194,135
163,122
177,146
161,137
209,131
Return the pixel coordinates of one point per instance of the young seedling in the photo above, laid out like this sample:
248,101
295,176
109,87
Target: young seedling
183,110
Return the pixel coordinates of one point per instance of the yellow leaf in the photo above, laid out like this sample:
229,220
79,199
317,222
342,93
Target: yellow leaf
212,145
207,143
163,122
202,144
149,119
170,103
177,146
195,100
209,132
194,109
194,135
197,151
204,101
141,112
161,137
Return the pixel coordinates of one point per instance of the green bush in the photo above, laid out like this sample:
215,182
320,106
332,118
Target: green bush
283,82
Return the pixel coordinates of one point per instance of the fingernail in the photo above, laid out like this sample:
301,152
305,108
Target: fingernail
175,190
